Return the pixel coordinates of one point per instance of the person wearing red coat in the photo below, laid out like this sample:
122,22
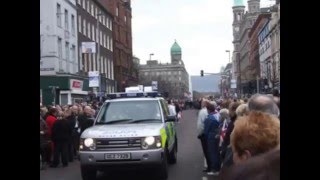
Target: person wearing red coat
50,120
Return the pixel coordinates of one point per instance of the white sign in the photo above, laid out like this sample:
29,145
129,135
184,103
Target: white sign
88,47
233,84
76,84
140,87
94,79
154,85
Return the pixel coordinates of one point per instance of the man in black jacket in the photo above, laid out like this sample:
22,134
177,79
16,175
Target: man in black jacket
86,120
61,135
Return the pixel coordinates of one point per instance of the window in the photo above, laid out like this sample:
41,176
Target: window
109,69
96,13
111,44
101,65
103,20
89,32
97,36
79,24
110,25
73,25
146,73
89,62
84,27
67,51
125,19
169,73
73,53
100,38
104,41
98,64
112,77
117,11
93,35
108,41
66,22
59,15
92,10
80,59
106,67
94,62
79,2
84,4
107,22
88,7
60,48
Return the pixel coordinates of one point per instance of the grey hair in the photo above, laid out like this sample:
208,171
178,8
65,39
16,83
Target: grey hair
242,110
224,114
263,103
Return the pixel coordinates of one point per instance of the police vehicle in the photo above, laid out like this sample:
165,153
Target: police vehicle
131,130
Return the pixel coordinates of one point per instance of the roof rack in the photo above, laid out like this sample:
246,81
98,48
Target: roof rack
133,95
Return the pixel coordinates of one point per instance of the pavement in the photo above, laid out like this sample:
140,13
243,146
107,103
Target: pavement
188,167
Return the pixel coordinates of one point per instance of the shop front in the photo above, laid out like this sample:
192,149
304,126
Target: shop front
63,90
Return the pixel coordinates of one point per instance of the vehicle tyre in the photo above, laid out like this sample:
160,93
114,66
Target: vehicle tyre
173,154
163,173
88,173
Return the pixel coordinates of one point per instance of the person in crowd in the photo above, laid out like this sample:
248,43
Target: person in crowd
212,134
73,145
245,100
43,112
261,167
52,117
178,110
263,103
44,143
224,120
85,120
172,108
242,110
276,93
226,151
200,127
61,135
254,134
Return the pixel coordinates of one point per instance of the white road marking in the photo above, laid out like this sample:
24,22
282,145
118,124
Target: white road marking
205,163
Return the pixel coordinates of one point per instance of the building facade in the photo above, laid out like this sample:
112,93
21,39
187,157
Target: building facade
95,25
172,78
122,37
60,82
244,72
257,44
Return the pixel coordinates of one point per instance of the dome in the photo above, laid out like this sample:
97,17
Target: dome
175,48
238,3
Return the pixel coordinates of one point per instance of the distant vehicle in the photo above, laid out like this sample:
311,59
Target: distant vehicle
131,129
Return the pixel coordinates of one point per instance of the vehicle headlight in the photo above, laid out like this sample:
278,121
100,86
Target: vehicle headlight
90,143
149,140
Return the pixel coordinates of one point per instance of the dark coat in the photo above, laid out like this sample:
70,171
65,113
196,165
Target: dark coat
61,131
85,122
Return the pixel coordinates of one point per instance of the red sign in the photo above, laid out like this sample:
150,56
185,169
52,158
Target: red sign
76,84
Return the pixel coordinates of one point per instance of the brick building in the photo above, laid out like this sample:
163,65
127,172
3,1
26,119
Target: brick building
122,37
254,56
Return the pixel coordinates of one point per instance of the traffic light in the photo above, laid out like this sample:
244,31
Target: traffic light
201,73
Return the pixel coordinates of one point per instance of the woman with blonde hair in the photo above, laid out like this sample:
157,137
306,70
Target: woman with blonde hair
242,110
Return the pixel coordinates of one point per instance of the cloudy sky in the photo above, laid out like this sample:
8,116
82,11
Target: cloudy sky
203,29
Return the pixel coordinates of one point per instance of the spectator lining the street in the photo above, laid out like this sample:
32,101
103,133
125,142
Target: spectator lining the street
254,134
242,110
226,151
263,103
61,135
85,120
261,167
224,120
172,108
200,127
212,134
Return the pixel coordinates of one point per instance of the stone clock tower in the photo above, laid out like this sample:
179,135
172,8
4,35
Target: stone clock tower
238,12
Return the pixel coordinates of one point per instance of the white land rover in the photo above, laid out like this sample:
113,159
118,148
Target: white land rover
131,129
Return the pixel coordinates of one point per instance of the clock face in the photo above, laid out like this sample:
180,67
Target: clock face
236,29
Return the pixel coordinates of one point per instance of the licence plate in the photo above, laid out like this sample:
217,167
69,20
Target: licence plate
118,156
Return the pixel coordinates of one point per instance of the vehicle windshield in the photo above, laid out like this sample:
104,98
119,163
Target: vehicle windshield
126,112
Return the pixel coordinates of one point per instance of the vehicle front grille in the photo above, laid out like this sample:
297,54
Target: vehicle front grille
118,144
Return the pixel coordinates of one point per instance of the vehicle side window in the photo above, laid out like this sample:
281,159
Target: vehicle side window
165,108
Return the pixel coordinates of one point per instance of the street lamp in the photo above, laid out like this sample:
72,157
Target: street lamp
228,51
151,55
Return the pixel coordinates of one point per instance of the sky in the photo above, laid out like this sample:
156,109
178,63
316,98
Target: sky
202,28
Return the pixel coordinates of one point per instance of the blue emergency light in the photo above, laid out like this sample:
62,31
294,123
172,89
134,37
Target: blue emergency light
133,95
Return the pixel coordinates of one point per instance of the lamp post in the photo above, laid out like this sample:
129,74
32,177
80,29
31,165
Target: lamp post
228,51
150,55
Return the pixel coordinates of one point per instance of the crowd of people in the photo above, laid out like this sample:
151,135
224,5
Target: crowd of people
238,134
60,131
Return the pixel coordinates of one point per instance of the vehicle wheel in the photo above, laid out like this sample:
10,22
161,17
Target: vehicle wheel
163,173
173,154
40,162
88,173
